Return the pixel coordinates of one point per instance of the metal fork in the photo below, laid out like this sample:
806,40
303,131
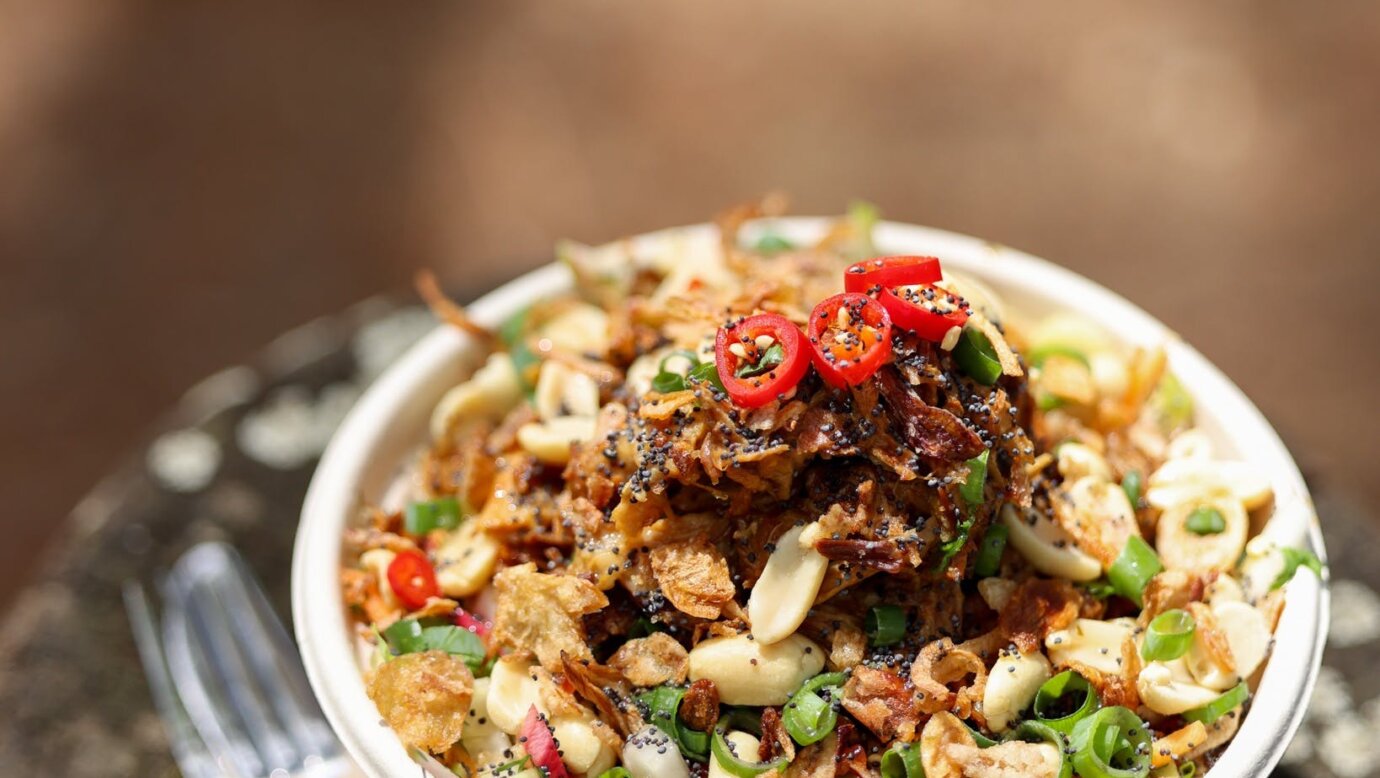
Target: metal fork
225,676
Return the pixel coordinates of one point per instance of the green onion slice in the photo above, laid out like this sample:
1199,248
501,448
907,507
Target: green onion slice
1111,743
746,720
1169,636
663,710
1064,700
1294,558
980,739
972,487
903,761
1187,770
1219,707
808,717
976,357
616,772
1133,484
422,517
1100,588
989,552
1134,568
771,243
1040,352
885,625
1036,732
1205,520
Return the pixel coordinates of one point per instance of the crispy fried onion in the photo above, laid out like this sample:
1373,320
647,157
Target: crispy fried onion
1036,608
940,665
424,697
948,750
694,576
933,432
446,309
1172,589
540,613
1214,642
604,688
651,661
775,740
880,701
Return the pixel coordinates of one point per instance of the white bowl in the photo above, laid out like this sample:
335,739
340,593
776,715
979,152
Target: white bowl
390,422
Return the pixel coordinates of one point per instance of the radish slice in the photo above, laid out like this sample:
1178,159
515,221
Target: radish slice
540,744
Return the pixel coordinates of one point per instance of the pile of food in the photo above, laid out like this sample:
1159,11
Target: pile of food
741,507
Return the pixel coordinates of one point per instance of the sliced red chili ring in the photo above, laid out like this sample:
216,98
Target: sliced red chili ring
850,338
887,272
760,358
928,311
412,578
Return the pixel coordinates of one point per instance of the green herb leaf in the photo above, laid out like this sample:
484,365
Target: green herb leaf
773,356
409,636
707,372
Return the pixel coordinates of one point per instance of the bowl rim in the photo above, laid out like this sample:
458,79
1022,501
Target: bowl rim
334,495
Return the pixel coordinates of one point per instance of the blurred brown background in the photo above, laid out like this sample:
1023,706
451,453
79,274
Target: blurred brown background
181,182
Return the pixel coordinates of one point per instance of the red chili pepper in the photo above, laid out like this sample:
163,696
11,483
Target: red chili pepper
928,311
412,578
851,338
540,744
888,272
769,370
469,621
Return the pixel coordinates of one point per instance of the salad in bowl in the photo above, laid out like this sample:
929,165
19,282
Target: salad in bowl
735,503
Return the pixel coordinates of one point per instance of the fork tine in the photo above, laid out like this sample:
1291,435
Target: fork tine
205,704
227,667
190,752
272,656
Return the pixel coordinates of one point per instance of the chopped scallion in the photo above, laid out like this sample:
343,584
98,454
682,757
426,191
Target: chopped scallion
988,560
747,720
902,761
1231,699
1134,568
422,517
663,710
972,487
808,716
1064,700
1133,484
1169,636
1294,558
885,625
1111,743
771,243
976,357
1205,520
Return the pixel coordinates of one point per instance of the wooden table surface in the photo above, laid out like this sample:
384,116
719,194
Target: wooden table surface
180,183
